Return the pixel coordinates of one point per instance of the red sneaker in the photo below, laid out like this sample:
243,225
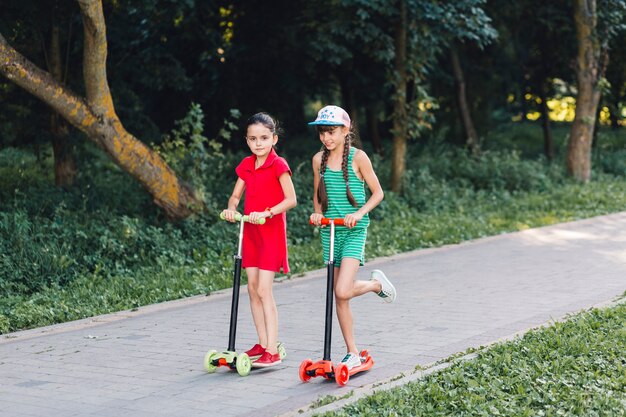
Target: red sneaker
267,359
255,352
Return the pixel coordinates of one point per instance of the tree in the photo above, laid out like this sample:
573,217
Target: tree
587,75
388,54
430,28
616,75
470,24
471,137
400,122
95,114
543,64
594,30
64,163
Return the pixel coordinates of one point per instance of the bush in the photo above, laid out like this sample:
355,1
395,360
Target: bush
613,163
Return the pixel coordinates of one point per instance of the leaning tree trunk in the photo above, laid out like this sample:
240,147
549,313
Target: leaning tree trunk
95,114
400,119
587,75
64,164
471,138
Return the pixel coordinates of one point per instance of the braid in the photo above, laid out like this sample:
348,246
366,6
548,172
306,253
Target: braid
344,169
322,195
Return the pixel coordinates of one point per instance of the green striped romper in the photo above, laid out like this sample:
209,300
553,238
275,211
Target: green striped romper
349,243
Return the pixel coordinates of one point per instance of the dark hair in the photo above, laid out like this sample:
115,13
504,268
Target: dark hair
322,195
265,120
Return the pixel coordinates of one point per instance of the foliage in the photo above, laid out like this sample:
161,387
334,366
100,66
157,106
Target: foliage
432,27
574,368
611,20
193,156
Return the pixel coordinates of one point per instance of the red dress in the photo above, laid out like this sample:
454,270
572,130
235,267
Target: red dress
264,246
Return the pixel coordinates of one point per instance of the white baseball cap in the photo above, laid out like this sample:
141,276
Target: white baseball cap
332,116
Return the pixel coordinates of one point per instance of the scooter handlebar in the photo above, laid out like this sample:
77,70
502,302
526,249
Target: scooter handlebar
326,221
238,217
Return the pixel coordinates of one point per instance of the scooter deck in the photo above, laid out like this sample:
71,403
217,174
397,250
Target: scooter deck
364,366
240,362
339,372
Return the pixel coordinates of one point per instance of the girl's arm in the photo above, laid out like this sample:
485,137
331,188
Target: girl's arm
233,201
364,166
290,200
316,217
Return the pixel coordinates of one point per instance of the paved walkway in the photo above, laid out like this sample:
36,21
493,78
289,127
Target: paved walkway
149,362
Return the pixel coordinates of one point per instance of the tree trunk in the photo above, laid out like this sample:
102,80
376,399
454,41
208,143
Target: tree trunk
548,142
349,104
372,128
64,164
587,75
96,116
398,161
471,138
596,126
614,114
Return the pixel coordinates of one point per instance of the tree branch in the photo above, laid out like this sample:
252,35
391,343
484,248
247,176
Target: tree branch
42,85
94,59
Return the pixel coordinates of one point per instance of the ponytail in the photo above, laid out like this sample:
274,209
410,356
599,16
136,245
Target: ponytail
344,169
322,195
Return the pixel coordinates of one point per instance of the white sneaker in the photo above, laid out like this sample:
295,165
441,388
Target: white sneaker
388,291
351,360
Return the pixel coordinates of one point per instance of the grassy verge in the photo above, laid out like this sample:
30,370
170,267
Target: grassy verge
573,368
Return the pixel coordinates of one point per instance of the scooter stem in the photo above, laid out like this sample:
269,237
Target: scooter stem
330,283
234,307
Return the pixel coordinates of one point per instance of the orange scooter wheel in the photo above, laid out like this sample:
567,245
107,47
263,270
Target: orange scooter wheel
342,374
304,377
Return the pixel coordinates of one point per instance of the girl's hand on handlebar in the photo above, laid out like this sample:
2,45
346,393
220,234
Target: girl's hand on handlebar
316,219
351,219
255,216
230,215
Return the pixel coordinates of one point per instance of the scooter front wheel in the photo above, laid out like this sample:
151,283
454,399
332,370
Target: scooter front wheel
244,364
342,374
208,361
304,377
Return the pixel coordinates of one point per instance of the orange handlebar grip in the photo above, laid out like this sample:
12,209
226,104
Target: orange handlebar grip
326,221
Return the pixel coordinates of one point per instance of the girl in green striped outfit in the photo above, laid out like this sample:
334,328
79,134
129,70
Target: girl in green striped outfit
340,173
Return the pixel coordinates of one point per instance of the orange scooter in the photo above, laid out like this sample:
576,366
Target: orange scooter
340,372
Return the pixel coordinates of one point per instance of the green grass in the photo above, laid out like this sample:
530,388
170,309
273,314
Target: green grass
572,368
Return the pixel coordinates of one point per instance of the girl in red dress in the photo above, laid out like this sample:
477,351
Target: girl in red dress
266,179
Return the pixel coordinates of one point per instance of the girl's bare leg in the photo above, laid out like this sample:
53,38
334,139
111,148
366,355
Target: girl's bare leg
346,288
256,305
270,314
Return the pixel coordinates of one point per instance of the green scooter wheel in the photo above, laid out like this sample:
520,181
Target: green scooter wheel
244,364
208,361
282,351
